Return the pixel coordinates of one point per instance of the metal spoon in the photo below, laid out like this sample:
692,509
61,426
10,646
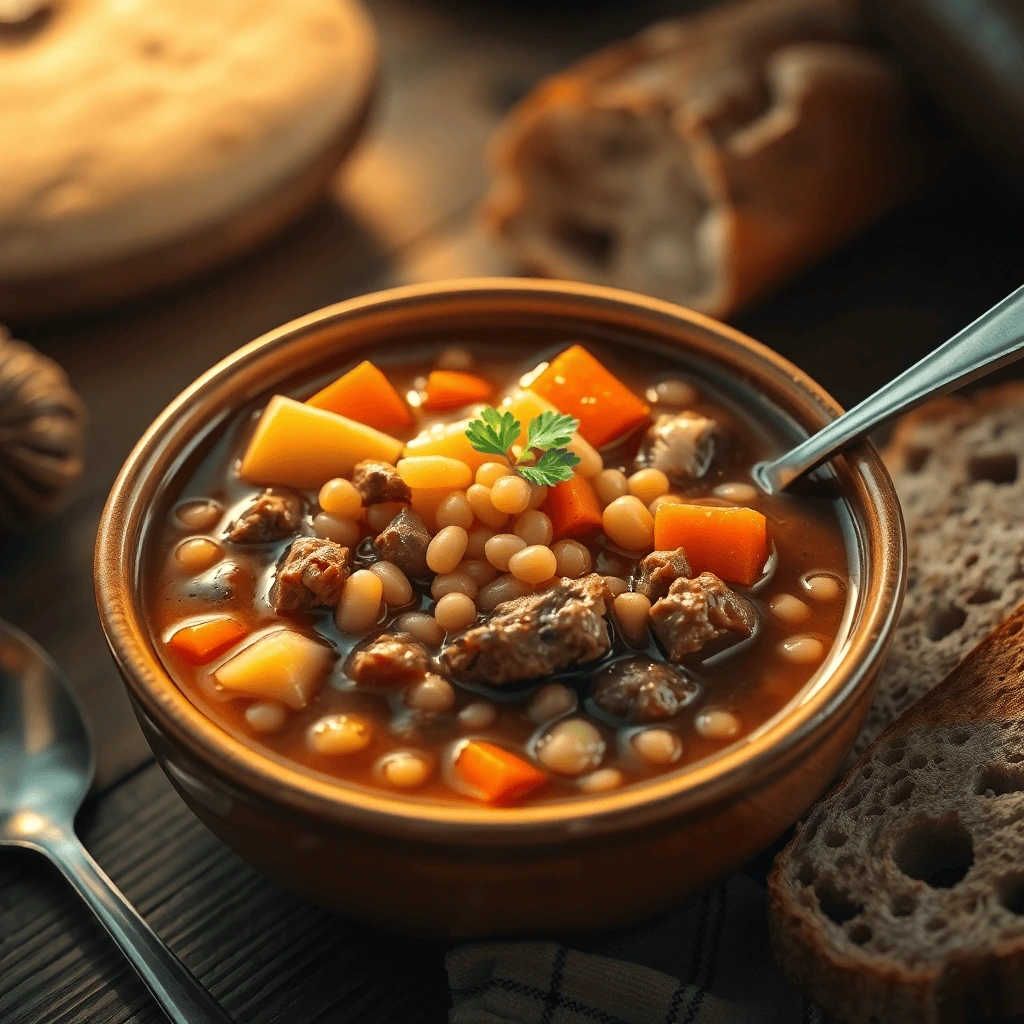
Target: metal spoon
46,768
993,340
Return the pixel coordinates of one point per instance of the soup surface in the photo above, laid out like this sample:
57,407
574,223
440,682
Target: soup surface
494,573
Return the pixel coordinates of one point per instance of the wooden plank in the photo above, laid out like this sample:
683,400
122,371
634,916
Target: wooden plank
266,954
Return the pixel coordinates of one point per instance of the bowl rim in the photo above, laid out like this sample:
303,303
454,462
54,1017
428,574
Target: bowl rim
726,775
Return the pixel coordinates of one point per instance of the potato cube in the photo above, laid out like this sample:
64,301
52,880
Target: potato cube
450,440
298,445
285,665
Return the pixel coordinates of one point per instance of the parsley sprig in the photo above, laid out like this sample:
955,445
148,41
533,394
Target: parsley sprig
544,459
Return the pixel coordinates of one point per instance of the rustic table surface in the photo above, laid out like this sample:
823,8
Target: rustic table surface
402,210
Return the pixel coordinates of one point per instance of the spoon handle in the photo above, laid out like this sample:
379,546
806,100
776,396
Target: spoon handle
179,995
993,340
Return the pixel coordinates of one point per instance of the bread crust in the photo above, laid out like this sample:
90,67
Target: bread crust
719,153
843,931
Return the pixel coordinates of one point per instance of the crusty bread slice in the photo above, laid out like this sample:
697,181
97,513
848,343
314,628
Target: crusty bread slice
958,466
901,898
709,157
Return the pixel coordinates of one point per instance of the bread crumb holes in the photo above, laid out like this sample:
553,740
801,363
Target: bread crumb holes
942,620
903,905
835,904
999,780
1011,894
937,852
997,468
893,755
835,837
901,794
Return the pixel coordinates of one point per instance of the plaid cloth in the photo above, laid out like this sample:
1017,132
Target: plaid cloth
707,962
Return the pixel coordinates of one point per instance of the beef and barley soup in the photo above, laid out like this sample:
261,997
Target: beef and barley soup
494,574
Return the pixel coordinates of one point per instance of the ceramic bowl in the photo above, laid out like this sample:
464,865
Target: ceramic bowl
459,870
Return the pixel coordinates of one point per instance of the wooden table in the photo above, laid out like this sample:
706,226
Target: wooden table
402,211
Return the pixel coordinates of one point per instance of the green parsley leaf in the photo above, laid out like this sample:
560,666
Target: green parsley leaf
551,468
544,459
494,433
551,430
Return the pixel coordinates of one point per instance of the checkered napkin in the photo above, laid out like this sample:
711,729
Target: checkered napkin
707,962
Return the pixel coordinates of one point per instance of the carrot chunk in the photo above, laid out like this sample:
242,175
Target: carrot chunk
365,395
496,774
447,390
203,641
579,385
572,507
730,542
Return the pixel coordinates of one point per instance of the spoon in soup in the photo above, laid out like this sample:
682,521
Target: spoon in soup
46,768
995,339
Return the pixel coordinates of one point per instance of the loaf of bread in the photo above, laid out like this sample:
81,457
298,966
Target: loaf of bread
901,898
958,466
709,158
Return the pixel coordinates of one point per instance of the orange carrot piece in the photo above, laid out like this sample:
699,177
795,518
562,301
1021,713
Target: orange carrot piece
580,386
730,542
573,508
203,641
447,390
365,395
496,774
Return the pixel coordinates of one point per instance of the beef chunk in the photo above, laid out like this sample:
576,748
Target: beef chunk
681,446
658,571
404,541
534,636
390,659
311,574
274,515
696,612
379,481
642,690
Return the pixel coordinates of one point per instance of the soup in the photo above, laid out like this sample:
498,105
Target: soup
497,574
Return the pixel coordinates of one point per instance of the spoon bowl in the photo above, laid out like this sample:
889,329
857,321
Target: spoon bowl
46,769
46,763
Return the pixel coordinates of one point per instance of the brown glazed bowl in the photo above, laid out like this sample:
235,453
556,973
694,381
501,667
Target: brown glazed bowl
459,870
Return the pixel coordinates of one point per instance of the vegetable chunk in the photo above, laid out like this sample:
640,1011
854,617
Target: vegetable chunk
364,394
447,390
732,543
298,445
498,776
450,441
285,665
203,641
577,384
573,509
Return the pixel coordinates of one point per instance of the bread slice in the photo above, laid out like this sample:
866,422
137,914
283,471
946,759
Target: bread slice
958,466
901,898
709,157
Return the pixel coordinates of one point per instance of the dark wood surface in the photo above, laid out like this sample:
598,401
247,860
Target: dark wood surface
402,211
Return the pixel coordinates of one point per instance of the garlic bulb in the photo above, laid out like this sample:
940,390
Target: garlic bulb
42,423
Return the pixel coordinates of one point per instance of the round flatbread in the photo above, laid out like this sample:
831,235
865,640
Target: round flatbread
128,126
